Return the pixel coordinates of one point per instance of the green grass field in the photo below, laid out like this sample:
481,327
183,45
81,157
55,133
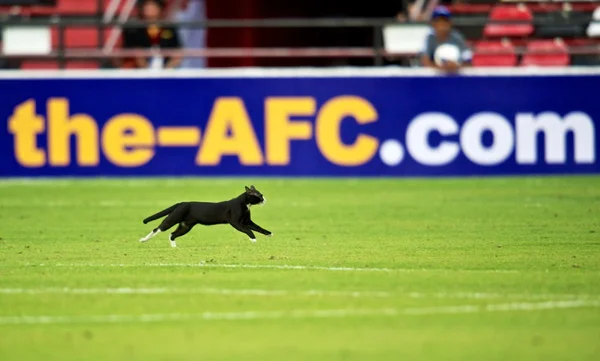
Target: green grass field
454,269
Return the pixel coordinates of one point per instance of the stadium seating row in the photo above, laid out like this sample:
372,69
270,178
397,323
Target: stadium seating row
541,52
523,26
62,8
493,50
536,7
90,7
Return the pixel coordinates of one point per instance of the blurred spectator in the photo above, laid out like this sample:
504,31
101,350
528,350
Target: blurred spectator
443,33
404,9
191,37
153,37
415,10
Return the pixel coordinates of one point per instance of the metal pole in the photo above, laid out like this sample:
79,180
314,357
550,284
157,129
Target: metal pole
99,12
377,44
61,46
116,31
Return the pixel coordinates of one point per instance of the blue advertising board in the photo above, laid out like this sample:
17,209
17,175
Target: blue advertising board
413,125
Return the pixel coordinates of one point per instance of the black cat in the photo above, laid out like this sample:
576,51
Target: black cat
235,212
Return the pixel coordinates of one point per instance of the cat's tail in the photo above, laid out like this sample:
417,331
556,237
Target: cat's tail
161,214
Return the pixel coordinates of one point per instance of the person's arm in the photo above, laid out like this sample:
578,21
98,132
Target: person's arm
427,53
141,62
426,61
174,61
448,67
402,9
466,54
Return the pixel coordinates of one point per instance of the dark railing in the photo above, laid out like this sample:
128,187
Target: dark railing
376,51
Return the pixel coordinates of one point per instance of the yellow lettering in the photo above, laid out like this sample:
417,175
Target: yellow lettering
328,126
25,125
229,115
128,140
61,126
280,130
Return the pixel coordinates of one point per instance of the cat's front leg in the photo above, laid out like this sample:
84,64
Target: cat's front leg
255,227
244,229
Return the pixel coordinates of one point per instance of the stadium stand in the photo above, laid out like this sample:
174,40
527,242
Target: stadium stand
494,53
74,37
62,8
546,53
562,28
514,13
554,32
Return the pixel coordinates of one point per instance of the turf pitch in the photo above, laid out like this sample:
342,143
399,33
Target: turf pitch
453,269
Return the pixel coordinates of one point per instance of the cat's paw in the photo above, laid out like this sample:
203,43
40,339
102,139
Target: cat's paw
253,240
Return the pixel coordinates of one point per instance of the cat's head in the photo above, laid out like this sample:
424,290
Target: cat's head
254,196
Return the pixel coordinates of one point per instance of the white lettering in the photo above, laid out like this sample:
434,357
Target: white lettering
417,139
555,131
471,138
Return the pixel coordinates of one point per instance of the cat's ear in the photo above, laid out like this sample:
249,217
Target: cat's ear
252,187
247,189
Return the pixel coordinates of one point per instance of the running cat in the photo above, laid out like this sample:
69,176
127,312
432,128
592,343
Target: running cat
235,212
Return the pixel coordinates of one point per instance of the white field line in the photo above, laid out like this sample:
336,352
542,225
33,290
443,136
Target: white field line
59,182
489,296
246,315
302,314
271,293
271,266
123,182
213,291
502,307
101,203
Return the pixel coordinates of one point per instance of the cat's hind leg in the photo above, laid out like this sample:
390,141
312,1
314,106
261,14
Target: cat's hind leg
172,219
181,230
150,235
177,216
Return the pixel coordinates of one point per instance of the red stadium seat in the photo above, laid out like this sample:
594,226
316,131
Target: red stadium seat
80,37
509,13
468,8
546,53
76,6
77,37
62,7
494,53
51,64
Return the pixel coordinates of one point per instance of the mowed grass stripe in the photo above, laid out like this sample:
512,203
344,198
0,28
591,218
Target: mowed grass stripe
275,292
302,314
270,266
215,291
